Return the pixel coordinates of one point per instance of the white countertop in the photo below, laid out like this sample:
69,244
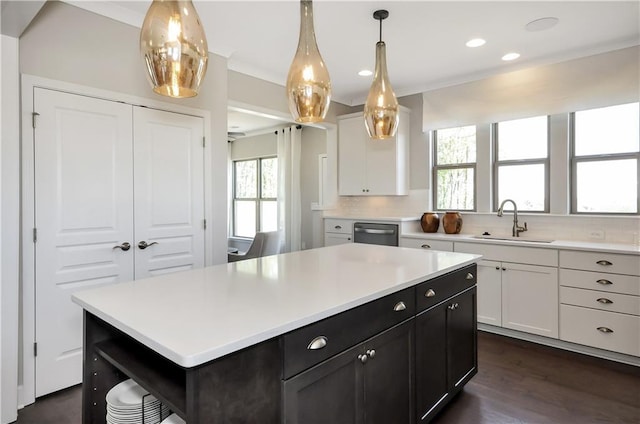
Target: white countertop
631,249
193,317
369,218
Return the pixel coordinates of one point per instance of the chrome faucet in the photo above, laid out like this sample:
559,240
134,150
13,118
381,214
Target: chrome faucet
516,230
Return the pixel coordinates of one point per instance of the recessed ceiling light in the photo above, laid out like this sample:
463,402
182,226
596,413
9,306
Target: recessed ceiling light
541,24
510,56
365,73
475,42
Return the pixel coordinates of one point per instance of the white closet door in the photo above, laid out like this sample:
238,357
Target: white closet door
169,191
83,208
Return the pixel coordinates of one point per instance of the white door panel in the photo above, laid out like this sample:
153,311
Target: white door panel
84,203
169,191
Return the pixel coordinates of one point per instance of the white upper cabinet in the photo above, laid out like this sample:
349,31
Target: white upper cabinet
368,167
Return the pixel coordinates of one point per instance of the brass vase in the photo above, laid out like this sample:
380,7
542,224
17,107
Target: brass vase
452,222
430,222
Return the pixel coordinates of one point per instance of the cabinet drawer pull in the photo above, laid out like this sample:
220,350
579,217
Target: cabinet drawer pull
338,227
426,246
604,263
604,300
430,293
400,306
317,343
604,330
469,276
604,282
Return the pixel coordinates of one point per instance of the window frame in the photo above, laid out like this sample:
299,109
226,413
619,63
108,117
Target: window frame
495,141
573,172
466,165
258,199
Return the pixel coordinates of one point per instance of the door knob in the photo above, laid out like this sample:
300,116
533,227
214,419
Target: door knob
124,246
143,244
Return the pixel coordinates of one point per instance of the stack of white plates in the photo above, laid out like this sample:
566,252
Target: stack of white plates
125,405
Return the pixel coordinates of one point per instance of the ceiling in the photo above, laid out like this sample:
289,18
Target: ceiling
425,39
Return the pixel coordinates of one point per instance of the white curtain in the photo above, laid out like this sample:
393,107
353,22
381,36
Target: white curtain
289,221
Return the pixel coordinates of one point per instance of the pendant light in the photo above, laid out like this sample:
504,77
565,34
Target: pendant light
381,109
308,84
174,48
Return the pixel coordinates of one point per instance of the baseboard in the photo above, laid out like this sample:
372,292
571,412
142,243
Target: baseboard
22,401
560,344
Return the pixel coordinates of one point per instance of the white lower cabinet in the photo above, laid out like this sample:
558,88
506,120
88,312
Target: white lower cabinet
337,231
490,292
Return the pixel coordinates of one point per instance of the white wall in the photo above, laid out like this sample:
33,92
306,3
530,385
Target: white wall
9,228
255,146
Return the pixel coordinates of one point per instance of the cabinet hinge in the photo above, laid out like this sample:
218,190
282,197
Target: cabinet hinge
35,349
203,141
204,224
33,118
35,235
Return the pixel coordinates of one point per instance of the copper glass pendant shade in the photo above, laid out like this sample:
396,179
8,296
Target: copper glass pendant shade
174,48
308,83
381,108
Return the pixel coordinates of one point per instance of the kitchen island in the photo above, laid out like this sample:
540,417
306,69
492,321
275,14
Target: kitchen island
273,339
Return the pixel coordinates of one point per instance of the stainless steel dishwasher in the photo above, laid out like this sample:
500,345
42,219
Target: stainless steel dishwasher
372,233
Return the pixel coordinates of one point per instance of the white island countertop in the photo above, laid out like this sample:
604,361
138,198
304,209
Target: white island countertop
193,317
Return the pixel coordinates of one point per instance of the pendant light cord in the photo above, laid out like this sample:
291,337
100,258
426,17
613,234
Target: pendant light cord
380,30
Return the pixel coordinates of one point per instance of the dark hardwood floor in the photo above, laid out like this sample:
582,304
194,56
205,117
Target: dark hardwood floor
517,382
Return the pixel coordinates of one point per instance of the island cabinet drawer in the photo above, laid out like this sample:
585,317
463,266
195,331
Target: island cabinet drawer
343,226
601,329
602,262
316,342
605,301
428,244
436,290
613,283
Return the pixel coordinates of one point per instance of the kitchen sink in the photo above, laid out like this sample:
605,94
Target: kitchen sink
516,239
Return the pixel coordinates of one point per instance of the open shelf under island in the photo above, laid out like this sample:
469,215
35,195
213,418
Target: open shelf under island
352,333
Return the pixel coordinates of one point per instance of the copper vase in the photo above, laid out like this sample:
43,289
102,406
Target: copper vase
430,222
452,222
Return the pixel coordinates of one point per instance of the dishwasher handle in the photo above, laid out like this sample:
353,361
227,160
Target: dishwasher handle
372,231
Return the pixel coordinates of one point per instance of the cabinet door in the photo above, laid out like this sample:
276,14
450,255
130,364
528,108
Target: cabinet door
388,376
431,361
382,167
490,292
330,392
352,156
530,299
461,339
333,239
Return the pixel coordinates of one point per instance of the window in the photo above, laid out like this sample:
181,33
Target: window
255,193
521,163
604,163
454,168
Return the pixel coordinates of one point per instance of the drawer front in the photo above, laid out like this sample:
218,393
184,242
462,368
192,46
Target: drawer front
602,262
601,329
605,301
514,254
316,342
426,244
613,283
343,226
436,290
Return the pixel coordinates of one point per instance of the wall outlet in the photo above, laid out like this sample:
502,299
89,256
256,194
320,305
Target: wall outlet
596,234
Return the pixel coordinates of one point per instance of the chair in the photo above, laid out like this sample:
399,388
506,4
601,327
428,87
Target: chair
264,244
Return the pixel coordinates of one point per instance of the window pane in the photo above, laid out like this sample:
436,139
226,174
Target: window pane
269,178
607,130
523,139
456,145
244,219
524,184
246,175
455,189
269,215
607,186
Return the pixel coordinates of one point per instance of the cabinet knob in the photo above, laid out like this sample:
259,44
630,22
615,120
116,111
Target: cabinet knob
317,343
430,293
453,306
426,246
371,353
604,282
400,306
469,276
363,358
604,300
604,263
604,330
498,268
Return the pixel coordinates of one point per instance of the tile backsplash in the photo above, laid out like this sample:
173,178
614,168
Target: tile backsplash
605,229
